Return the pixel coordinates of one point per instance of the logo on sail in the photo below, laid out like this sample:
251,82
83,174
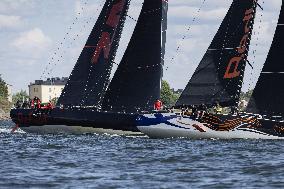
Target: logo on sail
232,68
106,38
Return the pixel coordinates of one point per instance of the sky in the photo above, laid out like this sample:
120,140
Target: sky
41,39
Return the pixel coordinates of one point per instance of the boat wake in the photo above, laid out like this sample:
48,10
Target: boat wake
9,130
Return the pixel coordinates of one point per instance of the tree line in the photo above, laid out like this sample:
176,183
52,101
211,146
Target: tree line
168,96
3,89
5,105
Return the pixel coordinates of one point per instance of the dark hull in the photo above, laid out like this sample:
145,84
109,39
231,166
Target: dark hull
87,118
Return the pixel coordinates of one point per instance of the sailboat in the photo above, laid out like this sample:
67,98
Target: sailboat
218,81
90,101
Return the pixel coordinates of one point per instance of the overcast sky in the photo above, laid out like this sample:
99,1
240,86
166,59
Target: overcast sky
41,39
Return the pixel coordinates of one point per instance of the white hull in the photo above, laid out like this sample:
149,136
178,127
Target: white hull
185,127
63,129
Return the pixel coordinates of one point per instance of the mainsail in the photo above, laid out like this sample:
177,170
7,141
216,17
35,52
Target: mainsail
89,78
267,97
219,76
136,83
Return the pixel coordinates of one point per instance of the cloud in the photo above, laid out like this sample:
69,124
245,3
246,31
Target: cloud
30,51
18,6
7,21
33,42
192,12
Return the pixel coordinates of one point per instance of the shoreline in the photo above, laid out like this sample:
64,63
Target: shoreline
4,116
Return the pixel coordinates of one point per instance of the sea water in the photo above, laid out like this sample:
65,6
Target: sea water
107,161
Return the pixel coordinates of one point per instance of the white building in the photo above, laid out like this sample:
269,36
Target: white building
47,90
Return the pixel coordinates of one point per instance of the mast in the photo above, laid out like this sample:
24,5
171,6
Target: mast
164,29
267,97
89,78
219,76
136,83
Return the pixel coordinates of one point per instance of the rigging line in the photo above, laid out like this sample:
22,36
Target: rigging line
131,18
64,37
259,6
249,64
58,48
84,26
87,21
151,11
187,30
64,52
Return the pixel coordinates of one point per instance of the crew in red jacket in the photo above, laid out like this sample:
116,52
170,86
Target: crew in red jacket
158,105
36,103
49,105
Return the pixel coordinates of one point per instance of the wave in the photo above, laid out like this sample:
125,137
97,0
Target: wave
9,130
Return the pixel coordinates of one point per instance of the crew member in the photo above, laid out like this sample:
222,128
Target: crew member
32,104
49,105
18,104
194,112
158,105
234,110
202,110
218,109
36,103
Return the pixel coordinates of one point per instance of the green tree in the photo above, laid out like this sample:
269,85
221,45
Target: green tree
3,89
54,100
20,96
5,105
246,95
167,95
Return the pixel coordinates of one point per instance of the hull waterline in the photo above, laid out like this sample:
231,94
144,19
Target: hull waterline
74,121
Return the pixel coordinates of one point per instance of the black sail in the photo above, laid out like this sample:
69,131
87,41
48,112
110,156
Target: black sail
89,78
136,83
267,97
219,76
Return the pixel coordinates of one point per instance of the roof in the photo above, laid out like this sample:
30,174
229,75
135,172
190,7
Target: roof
51,81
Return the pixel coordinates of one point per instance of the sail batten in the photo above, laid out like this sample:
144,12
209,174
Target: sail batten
267,97
89,78
219,76
136,82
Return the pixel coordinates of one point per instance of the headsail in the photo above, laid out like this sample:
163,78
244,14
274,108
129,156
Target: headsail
136,83
219,76
89,78
267,97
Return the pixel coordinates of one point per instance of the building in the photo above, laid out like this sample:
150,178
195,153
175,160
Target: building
47,90
178,91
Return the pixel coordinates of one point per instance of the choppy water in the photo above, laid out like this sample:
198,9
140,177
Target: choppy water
92,161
